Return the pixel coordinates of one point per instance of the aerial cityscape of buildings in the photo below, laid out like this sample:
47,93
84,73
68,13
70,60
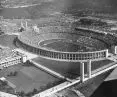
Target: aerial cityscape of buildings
58,55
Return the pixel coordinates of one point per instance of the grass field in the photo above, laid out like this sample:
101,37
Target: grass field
66,46
29,78
69,69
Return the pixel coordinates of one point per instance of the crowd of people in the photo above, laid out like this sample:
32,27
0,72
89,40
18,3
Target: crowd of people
109,39
6,53
50,29
99,25
90,42
58,32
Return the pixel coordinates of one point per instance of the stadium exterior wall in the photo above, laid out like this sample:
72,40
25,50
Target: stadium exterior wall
64,56
114,49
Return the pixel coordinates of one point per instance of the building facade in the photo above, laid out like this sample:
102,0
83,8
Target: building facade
13,60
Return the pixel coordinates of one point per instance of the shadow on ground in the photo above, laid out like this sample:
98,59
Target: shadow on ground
106,89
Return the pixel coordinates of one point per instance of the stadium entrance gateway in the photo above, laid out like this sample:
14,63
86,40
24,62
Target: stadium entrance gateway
97,56
82,71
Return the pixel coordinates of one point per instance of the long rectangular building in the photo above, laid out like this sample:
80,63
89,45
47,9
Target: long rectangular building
12,58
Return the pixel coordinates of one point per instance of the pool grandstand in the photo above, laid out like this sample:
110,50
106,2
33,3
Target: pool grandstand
6,53
10,57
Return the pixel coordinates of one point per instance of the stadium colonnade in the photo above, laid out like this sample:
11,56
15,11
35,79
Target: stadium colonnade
68,56
30,41
65,56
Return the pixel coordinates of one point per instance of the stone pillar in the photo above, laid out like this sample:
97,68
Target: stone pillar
24,58
82,71
107,53
89,68
26,25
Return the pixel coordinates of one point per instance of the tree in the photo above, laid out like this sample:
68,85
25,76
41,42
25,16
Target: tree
22,94
29,94
4,83
35,91
15,73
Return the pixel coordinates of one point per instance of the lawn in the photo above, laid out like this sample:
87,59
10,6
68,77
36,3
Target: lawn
29,78
69,69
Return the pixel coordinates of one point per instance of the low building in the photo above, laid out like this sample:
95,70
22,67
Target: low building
13,58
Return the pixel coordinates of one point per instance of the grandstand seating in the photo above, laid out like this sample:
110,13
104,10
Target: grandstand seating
90,40
35,38
108,39
60,55
5,53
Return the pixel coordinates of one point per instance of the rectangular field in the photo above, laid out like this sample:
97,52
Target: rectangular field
29,78
69,69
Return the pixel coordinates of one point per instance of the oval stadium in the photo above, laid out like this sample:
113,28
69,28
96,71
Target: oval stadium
65,44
